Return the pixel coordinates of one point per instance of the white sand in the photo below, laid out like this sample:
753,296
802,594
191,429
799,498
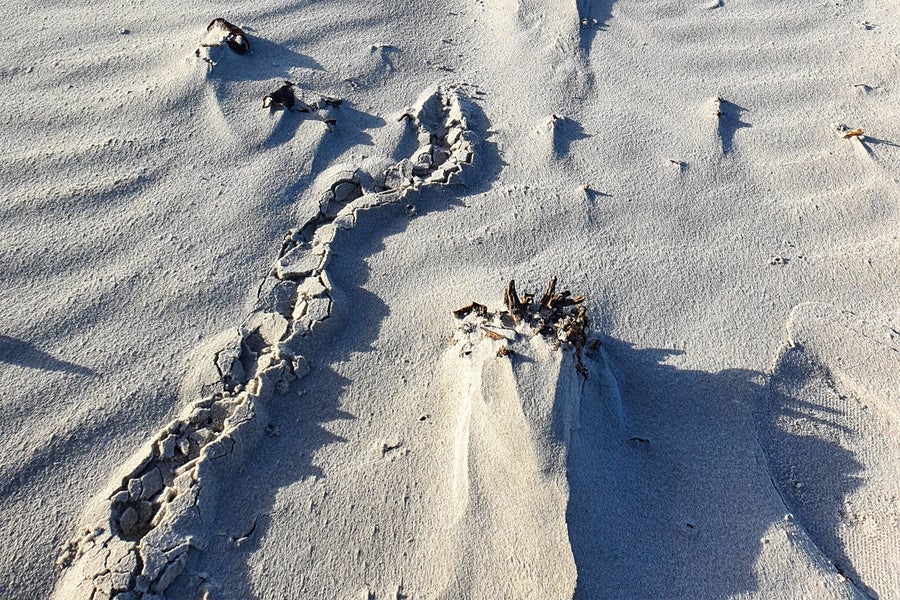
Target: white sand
682,164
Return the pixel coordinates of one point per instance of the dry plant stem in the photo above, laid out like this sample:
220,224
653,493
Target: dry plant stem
548,295
512,301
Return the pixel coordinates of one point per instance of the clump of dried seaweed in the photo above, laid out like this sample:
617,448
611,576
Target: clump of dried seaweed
558,316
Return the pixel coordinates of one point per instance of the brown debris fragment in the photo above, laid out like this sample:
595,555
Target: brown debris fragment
478,309
557,315
548,295
282,97
492,334
235,36
858,132
575,327
513,302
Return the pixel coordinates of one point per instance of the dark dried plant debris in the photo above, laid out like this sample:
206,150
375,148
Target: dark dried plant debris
492,334
557,315
478,309
282,97
286,98
551,314
234,36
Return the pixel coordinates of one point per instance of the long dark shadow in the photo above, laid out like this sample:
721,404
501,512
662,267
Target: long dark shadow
670,496
593,16
566,131
729,123
265,61
23,354
813,475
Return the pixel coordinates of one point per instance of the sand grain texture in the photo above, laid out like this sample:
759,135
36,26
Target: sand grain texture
165,242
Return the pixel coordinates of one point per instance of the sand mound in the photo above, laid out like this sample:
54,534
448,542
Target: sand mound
514,380
514,394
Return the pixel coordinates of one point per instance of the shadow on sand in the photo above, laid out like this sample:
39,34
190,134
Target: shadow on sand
593,16
670,495
729,123
566,131
266,60
813,475
23,354
349,130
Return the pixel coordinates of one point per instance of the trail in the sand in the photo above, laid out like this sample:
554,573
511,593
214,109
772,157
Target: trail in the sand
141,531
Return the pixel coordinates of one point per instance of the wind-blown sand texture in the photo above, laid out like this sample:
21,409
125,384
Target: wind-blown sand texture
234,238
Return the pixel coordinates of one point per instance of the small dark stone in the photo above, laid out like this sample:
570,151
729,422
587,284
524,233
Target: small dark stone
128,521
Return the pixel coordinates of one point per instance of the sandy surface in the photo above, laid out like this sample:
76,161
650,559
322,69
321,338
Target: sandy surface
270,376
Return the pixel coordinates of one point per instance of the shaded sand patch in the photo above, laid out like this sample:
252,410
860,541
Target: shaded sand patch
830,428
668,492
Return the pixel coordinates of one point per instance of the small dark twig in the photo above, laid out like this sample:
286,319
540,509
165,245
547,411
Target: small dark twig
512,301
548,295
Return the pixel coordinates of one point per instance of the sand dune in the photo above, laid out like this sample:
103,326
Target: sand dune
227,347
